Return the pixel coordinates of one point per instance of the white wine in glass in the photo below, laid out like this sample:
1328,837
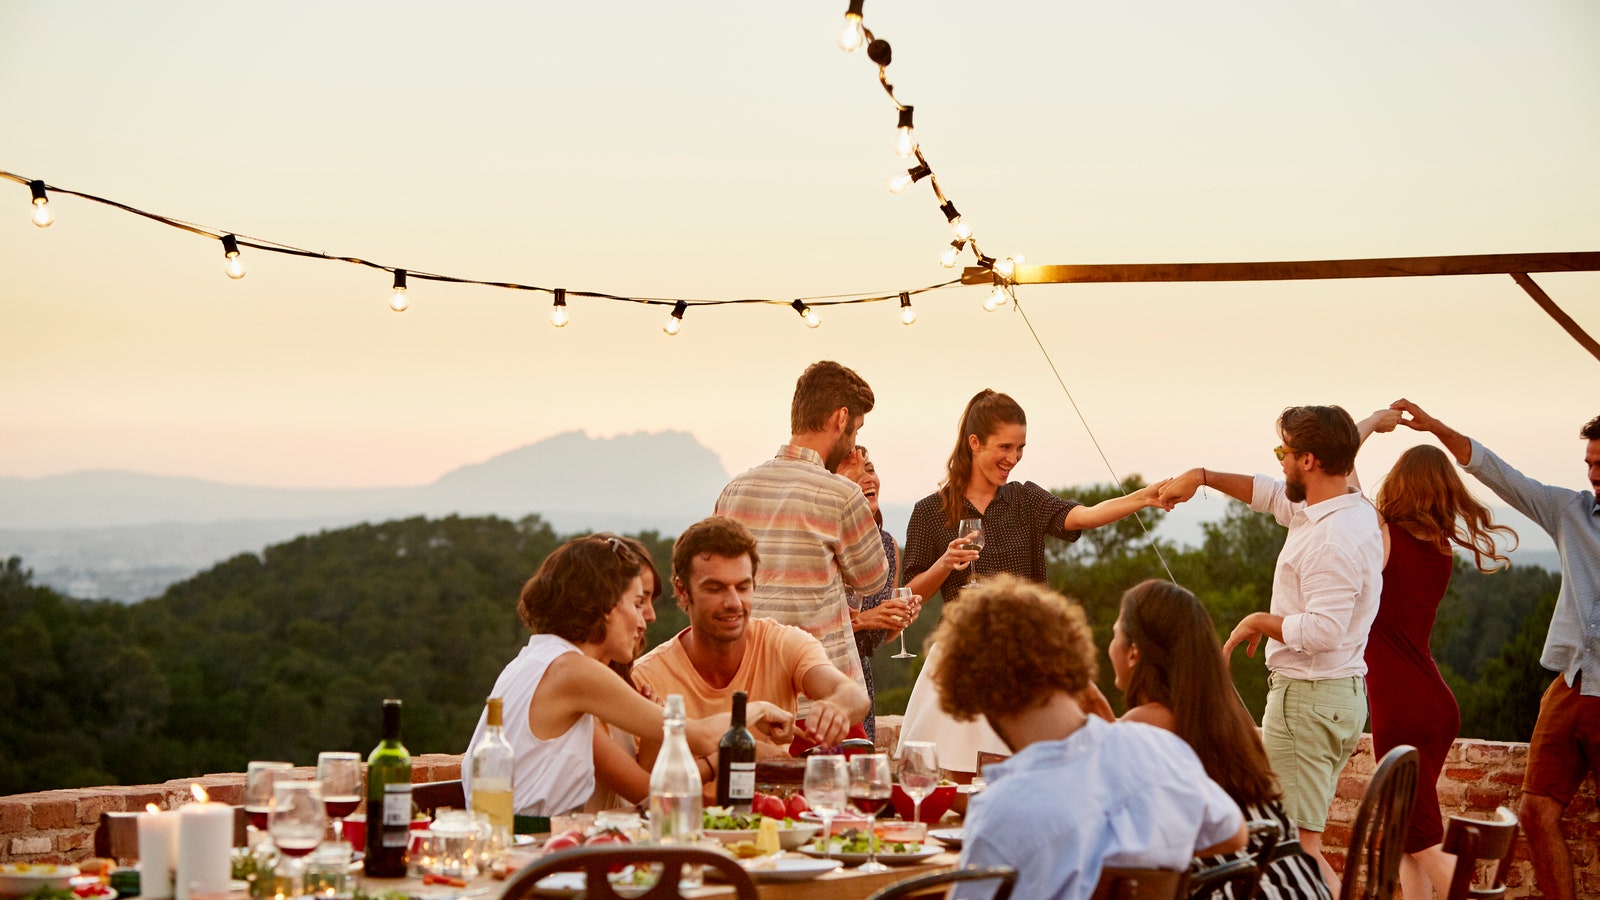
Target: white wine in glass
905,594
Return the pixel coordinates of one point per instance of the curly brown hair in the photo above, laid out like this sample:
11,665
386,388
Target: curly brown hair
716,535
576,587
823,388
1008,646
1326,432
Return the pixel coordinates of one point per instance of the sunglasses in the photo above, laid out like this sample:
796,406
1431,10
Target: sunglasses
1280,452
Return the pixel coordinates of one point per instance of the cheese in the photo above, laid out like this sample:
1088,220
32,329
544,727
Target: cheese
767,836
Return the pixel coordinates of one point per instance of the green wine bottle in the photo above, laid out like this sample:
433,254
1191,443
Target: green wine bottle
388,800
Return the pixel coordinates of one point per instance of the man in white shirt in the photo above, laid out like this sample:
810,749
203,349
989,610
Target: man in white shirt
1325,593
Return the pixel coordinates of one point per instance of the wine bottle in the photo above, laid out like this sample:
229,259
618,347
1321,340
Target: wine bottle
736,761
492,763
675,783
388,800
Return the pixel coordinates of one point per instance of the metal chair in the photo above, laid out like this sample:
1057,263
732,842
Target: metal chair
597,862
937,884
1372,864
1474,839
1243,875
1140,884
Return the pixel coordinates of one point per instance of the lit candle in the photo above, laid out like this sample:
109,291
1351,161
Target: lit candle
157,839
205,846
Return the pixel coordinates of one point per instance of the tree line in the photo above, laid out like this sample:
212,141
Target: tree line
287,653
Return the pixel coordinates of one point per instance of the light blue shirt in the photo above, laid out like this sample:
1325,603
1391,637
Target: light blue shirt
1573,519
1119,795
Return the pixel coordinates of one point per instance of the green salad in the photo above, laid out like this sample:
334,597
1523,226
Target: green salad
854,841
723,818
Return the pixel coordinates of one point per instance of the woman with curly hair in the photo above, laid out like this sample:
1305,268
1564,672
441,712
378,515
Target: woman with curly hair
1426,511
1169,665
583,607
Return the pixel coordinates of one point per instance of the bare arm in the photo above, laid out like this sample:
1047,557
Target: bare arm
1107,511
836,704
1454,441
1181,488
617,770
1250,629
1381,421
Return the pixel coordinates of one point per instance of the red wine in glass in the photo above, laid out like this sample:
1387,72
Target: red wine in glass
296,846
258,816
869,806
339,807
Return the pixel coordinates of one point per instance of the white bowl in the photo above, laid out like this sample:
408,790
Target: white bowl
793,837
19,879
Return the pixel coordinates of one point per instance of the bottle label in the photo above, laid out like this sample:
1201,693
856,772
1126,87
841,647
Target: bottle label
742,781
396,815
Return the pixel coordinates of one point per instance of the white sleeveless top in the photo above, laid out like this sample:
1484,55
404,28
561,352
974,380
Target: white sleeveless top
550,776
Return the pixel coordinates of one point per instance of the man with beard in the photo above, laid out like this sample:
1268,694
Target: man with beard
814,528
1324,597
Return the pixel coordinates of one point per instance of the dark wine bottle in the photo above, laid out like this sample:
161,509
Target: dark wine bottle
736,762
388,800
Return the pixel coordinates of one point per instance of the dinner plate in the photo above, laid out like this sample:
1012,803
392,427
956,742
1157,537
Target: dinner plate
571,884
106,892
731,835
840,822
950,837
889,859
791,868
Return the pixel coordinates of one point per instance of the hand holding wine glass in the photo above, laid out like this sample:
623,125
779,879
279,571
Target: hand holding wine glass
340,774
870,790
904,594
919,773
826,785
972,530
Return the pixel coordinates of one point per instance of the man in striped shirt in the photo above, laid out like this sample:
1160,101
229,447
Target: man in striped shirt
814,529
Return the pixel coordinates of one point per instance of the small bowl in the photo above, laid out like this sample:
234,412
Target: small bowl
20,879
901,831
795,836
934,806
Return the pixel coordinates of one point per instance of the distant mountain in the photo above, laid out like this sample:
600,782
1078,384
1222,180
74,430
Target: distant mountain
126,536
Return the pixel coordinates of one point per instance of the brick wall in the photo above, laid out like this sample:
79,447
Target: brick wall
58,826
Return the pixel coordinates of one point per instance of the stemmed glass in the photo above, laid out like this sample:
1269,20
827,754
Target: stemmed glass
297,823
340,774
903,593
919,773
870,790
827,782
258,782
972,530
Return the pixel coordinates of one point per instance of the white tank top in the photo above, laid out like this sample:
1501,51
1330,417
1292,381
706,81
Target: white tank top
551,776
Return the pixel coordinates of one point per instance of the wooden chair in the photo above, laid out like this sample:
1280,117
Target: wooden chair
430,796
1372,864
1474,839
596,864
1242,875
1140,884
117,835
937,884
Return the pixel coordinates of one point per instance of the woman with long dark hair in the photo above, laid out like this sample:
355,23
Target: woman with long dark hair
1017,517
1426,512
1169,665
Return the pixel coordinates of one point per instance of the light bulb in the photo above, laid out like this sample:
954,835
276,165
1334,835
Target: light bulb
853,33
907,314
675,321
235,265
947,257
996,299
397,300
1007,267
805,313
42,216
904,144
558,311
962,230
900,182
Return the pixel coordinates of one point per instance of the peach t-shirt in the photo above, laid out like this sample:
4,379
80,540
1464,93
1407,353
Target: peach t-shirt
776,660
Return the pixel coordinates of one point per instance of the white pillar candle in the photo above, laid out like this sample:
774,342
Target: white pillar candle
205,848
158,833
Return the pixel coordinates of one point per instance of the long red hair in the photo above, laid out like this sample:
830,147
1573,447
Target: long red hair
1424,495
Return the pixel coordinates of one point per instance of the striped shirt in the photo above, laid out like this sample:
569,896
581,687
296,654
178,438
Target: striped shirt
816,536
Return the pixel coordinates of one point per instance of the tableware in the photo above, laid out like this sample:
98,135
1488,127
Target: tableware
919,774
258,780
826,785
972,529
894,859
903,593
950,837
789,868
789,837
17,879
934,806
572,884
843,822
869,793
900,831
297,823
340,774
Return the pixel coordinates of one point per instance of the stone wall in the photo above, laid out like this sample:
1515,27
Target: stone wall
58,826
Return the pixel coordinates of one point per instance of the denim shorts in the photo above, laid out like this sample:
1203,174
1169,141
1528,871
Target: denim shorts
1310,729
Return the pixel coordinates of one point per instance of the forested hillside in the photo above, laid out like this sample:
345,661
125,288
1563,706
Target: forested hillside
286,654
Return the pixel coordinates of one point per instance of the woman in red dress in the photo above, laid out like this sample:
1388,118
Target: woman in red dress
1425,509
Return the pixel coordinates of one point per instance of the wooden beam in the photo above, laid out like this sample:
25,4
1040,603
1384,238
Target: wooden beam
1549,306
1397,267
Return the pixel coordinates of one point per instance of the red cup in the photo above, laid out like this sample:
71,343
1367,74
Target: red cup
934,806
355,830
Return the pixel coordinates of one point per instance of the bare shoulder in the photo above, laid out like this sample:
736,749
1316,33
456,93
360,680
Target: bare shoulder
1154,714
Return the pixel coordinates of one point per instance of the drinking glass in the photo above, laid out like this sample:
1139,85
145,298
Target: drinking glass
827,782
972,530
258,782
870,790
905,594
297,822
340,774
919,773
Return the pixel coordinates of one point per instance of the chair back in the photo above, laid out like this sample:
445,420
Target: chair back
429,796
1372,863
597,862
117,835
1472,840
938,883
1239,879
1140,884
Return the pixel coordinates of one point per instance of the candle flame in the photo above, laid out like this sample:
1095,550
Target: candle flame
199,793
151,808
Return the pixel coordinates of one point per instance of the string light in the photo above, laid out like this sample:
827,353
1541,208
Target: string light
675,321
947,257
853,33
962,230
905,144
907,314
899,183
397,300
42,216
996,299
230,249
805,313
558,310
1007,267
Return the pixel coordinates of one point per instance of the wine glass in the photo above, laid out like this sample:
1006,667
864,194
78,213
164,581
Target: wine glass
919,773
827,782
972,530
340,774
258,782
297,822
903,593
870,789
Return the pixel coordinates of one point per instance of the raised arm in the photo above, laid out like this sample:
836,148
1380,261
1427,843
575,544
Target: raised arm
1454,441
1107,511
1381,421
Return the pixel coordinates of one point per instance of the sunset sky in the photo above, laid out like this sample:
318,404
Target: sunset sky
726,149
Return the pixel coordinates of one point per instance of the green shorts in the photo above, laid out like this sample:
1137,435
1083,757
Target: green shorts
1310,729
